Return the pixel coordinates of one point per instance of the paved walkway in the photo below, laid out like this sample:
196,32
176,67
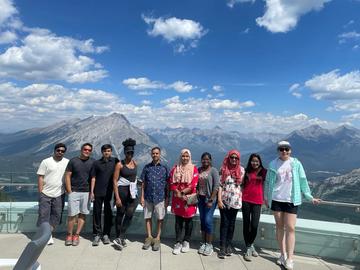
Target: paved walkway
59,257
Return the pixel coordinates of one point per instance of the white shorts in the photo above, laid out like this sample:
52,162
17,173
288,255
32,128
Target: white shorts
158,208
78,202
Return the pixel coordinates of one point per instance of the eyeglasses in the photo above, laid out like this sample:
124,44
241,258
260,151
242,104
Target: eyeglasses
284,149
234,157
87,150
60,151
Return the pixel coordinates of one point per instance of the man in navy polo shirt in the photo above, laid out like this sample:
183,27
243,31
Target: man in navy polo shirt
101,192
154,196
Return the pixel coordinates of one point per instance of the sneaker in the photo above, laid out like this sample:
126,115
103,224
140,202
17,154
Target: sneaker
177,248
51,241
185,247
253,251
289,265
247,255
221,253
281,260
208,250
202,248
96,241
123,242
147,243
68,240
106,239
156,245
229,250
117,244
75,240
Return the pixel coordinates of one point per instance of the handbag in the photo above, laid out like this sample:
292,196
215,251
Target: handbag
192,199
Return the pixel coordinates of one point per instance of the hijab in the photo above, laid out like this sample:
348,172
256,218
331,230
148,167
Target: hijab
228,169
183,173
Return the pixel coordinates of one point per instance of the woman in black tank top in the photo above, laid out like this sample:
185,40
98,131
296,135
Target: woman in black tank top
125,191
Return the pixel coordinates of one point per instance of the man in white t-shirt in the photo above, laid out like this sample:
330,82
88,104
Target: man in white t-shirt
51,187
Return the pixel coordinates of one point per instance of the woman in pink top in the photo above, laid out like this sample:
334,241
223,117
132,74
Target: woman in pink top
183,181
252,199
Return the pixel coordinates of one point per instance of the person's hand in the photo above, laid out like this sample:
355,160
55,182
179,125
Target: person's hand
209,204
266,203
178,194
316,201
142,201
221,205
118,203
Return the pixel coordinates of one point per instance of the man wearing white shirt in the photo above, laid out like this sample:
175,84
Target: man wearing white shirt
51,187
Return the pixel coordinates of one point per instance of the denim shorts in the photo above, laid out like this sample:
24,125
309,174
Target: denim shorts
78,202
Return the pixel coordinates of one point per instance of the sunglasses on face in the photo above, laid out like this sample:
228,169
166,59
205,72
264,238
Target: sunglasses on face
60,151
234,157
87,150
284,149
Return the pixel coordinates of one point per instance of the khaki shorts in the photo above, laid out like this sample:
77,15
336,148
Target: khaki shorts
158,208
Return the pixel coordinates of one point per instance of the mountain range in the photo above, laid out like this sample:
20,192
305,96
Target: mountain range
323,152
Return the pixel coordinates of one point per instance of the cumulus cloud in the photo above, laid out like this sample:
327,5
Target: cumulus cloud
333,85
217,88
7,11
46,56
7,37
283,15
144,83
184,34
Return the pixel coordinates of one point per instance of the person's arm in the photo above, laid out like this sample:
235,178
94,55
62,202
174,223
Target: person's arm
92,186
304,186
68,182
115,180
40,183
216,184
220,202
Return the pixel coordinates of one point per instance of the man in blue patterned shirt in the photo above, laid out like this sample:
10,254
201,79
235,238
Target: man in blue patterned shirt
154,196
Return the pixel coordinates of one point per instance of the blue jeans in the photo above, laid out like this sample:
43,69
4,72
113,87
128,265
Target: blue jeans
206,215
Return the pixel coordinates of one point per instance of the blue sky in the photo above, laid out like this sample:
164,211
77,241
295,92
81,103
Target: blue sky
247,65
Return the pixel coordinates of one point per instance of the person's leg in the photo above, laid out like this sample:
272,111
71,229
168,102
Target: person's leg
44,209
129,213
188,229
80,223
255,218
231,228
179,221
246,211
201,207
120,211
280,235
208,222
160,212
70,226
290,222
224,223
108,216
97,209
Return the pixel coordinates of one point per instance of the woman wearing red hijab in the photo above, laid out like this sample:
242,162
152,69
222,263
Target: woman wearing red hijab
229,199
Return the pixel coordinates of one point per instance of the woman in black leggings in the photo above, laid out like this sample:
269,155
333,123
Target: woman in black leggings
252,199
125,190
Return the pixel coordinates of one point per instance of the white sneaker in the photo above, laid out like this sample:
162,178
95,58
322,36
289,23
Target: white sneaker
185,247
289,265
51,241
177,248
202,248
281,260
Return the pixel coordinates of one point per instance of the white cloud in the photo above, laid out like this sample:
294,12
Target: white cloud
146,102
232,3
283,15
144,83
295,90
184,34
334,86
217,88
351,22
7,11
246,31
350,35
45,56
181,87
7,37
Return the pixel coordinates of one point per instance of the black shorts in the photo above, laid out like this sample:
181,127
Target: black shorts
284,207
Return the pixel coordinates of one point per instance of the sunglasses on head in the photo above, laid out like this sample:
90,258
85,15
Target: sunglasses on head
60,151
284,149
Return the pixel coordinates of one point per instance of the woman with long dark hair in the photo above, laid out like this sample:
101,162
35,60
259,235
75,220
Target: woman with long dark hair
252,199
125,190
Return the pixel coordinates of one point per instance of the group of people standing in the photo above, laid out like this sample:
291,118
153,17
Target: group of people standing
191,188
